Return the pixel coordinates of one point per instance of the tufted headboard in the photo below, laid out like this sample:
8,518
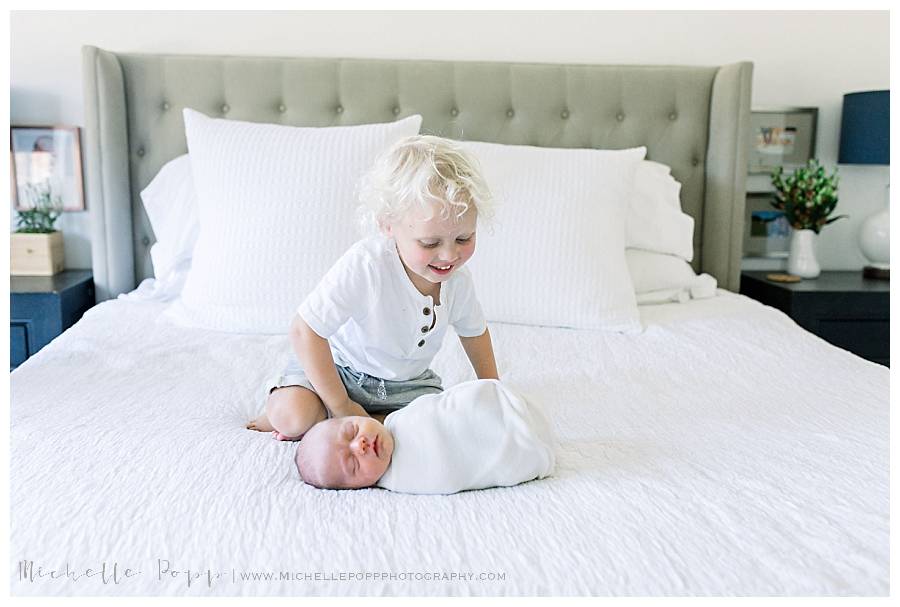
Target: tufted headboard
694,119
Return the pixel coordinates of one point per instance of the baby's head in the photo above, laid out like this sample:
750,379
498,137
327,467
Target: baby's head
344,453
427,193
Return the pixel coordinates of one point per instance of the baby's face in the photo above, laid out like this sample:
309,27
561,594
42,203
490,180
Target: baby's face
353,452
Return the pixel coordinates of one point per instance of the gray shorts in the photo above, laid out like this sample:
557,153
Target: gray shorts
374,394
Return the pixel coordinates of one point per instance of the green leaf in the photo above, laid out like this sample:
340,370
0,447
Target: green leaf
807,195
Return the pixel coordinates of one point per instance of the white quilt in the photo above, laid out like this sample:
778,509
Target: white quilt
721,451
474,435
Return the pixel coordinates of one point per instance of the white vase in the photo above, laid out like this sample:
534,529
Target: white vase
802,257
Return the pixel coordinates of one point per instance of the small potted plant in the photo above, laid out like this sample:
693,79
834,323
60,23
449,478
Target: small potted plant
807,197
36,247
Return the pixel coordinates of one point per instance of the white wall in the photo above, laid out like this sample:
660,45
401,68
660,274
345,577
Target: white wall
800,59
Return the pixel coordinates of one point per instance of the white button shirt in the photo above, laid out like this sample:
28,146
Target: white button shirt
375,319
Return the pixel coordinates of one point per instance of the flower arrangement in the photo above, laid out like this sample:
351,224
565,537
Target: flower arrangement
807,196
44,211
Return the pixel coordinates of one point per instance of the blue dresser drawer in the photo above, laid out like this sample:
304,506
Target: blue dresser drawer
18,344
42,307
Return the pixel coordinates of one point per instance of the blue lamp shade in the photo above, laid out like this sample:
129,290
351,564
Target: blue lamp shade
866,128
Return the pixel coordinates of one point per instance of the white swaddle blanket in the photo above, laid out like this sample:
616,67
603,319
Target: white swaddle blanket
475,435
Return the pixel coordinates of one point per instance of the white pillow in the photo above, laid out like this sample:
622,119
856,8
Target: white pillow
655,221
662,278
276,208
555,255
171,204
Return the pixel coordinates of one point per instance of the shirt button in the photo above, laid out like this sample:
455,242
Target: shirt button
424,329
426,311
421,343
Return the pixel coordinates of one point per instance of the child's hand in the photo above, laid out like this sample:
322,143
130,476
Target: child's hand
349,408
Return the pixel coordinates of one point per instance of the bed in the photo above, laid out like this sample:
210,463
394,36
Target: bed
723,451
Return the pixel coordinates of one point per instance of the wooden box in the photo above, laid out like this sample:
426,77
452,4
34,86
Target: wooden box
36,254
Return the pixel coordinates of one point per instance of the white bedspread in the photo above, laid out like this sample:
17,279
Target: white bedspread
722,451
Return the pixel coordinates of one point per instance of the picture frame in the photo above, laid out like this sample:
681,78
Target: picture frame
767,232
46,159
783,137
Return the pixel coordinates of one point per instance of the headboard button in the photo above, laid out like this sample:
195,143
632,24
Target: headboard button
140,151
282,109
166,105
396,111
454,112
339,109
564,114
225,108
695,161
145,240
673,116
510,113
620,116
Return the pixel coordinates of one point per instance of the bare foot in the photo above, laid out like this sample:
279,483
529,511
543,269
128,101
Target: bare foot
279,436
260,424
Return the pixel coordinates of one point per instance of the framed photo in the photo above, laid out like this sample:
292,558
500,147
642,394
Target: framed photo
782,137
46,160
767,232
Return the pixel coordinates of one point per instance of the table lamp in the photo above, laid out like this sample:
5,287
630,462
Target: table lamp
865,139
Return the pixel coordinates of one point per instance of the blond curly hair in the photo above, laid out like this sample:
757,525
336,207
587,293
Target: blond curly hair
423,171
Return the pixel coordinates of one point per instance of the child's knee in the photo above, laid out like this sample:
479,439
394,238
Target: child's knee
294,410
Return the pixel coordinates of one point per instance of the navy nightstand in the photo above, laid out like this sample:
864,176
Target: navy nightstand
42,307
844,308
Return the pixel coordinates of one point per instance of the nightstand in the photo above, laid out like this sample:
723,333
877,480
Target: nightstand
42,307
842,308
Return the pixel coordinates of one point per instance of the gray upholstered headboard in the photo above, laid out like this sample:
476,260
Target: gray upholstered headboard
694,119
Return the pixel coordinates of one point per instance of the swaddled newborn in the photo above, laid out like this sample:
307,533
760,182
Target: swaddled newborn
475,435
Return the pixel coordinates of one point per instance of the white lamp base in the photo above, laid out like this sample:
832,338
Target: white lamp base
875,242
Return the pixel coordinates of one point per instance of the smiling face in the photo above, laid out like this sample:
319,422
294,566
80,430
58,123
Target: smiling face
345,453
432,247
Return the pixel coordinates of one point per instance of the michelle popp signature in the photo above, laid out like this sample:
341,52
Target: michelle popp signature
113,573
